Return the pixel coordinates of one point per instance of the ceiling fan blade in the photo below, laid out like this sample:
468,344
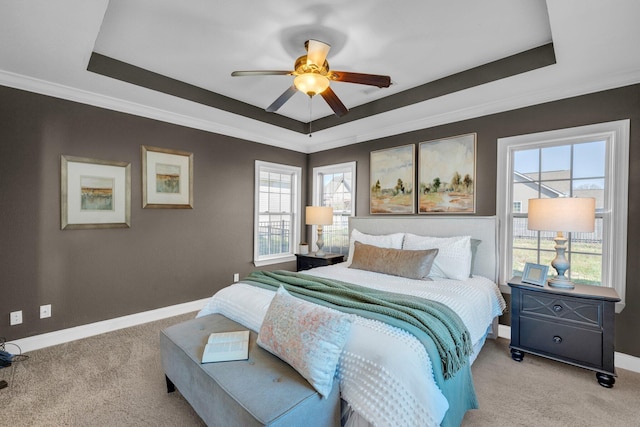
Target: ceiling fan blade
363,79
282,99
317,52
334,102
261,73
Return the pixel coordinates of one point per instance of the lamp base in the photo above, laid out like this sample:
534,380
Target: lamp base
320,243
561,264
560,283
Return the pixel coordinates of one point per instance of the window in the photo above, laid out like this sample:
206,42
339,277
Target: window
517,206
335,186
277,207
588,161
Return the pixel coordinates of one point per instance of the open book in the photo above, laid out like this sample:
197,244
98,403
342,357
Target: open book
225,346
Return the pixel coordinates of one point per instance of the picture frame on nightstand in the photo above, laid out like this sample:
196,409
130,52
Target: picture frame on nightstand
535,274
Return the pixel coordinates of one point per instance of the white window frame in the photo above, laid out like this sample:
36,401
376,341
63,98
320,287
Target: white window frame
615,212
317,188
296,173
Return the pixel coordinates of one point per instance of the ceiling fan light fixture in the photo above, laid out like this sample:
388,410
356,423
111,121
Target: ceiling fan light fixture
311,83
312,77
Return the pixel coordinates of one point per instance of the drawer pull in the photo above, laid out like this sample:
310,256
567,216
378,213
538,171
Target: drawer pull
557,339
557,308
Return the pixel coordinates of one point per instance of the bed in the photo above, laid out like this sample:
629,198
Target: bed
388,375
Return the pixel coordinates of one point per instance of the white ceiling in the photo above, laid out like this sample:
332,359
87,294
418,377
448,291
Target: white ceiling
46,47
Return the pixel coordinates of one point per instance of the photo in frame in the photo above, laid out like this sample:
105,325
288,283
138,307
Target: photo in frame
392,180
167,178
94,193
535,274
446,175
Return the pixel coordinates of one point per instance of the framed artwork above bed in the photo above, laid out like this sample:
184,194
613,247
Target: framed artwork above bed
392,180
446,175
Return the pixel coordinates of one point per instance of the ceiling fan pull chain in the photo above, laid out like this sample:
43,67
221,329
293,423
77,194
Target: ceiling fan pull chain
310,120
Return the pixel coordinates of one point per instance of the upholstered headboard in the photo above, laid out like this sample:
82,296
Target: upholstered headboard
484,228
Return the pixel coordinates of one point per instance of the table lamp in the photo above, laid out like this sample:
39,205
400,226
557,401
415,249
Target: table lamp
566,214
319,215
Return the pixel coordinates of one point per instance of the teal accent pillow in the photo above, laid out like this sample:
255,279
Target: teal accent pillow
307,336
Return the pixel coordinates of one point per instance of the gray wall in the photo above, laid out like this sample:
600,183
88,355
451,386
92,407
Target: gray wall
172,256
618,104
168,256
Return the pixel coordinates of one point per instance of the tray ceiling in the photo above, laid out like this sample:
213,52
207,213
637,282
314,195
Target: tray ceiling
447,60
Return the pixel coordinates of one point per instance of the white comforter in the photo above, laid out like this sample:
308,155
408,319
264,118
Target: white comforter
385,373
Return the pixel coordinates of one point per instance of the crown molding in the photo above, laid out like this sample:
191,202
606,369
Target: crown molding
235,126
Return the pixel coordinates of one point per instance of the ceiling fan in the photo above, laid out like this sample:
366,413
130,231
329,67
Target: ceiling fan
313,77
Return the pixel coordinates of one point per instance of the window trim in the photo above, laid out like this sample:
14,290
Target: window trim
296,173
616,133
328,169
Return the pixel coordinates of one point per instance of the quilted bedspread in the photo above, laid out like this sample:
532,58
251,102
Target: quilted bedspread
386,376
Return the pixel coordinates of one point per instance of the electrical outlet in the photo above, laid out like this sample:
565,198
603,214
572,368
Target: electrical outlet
236,277
15,317
45,311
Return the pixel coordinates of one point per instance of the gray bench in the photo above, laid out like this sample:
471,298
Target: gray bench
261,391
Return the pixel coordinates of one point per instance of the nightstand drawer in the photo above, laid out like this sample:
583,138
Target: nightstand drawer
583,345
309,261
576,310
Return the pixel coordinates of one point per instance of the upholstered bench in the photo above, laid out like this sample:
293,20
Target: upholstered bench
260,391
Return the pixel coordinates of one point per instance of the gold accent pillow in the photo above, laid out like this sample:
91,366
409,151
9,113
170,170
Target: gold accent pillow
396,262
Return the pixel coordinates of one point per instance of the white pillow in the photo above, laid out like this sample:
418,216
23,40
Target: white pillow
307,336
389,241
454,254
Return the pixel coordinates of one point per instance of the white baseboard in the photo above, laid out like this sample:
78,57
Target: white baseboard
71,334
622,361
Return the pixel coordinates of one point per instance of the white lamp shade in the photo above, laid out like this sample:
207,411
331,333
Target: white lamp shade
562,214
317,52
319,215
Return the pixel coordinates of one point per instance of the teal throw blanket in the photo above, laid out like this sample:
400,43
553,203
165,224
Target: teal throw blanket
445,328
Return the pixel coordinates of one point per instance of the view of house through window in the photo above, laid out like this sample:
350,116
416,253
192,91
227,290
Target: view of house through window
567,170
335,186
584,161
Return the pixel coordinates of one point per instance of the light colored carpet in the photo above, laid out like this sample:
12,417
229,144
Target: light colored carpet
541,392
116,379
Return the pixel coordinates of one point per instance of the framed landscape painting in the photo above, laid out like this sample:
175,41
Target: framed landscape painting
94,193
392,179
446,175
167,178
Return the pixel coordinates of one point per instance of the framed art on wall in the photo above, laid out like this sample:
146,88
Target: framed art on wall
94,193
446,175
167,178
392,178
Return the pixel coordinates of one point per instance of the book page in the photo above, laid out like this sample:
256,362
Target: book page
226,346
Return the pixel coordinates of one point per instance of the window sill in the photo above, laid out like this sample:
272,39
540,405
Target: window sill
271,261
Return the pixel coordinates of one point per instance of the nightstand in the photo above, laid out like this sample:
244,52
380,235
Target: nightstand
307,262
574,326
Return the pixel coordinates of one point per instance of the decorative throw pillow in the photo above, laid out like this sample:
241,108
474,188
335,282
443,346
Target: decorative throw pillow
454,256
307,336
397,262
393,241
